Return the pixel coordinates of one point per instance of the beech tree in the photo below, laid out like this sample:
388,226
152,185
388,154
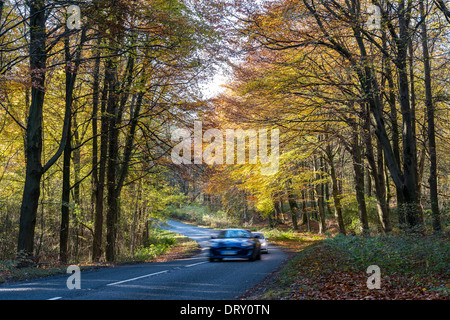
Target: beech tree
325,62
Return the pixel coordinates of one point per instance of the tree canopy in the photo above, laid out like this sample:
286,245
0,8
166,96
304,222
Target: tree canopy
357,91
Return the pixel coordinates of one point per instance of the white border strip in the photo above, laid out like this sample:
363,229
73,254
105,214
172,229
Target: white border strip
141,277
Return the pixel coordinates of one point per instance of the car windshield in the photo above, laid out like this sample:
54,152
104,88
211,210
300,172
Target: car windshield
258,235
234,234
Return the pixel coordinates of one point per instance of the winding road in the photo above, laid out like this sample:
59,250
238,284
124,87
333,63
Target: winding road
194,278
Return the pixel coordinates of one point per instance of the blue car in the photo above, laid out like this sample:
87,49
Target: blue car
235,243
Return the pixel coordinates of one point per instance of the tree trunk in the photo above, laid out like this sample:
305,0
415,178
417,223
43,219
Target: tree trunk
319,192
358,167
65,204
71,75
113,152
94,118
409,187
98,168
276,204
377,173
34,169
76,159
100,189
406,182
335,190
431,129
282,208
395,137
115,182
306,219
383,204
292,205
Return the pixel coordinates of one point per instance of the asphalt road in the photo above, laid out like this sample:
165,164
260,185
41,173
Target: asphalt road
194,278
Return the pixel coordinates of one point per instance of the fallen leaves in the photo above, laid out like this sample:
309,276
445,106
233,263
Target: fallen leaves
320,273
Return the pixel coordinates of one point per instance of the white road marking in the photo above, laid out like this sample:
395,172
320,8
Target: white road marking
141,277
195,264
152,274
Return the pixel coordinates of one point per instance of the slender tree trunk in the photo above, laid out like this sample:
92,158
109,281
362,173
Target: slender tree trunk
98,172
34,169
414,120
95,102
409,189
116,175
282,209
327,186
335,190
358,168
378,177
100,190
65,204
276,205
71,75
383,204
76,159
292,205
113,152
395,138
305,210
320,196
431,129
304,207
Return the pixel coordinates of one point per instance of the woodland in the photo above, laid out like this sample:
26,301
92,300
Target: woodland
357,90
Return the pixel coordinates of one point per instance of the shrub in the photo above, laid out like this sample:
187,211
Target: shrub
150,252
158,242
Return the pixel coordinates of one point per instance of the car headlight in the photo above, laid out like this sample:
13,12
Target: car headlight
248,243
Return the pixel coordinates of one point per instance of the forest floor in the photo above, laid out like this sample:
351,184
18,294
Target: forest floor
335,268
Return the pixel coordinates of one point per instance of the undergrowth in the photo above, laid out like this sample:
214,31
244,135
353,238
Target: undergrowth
335,268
